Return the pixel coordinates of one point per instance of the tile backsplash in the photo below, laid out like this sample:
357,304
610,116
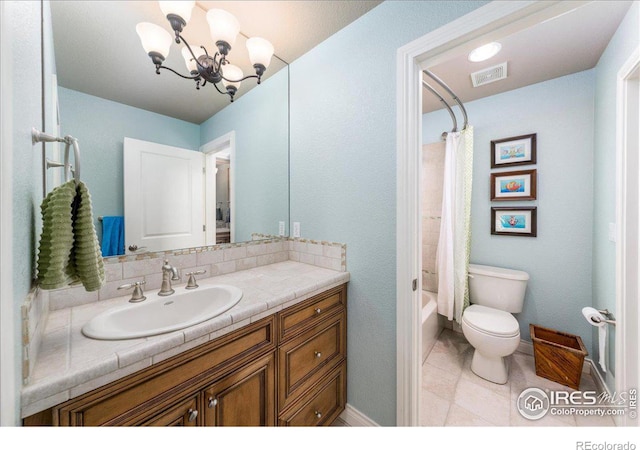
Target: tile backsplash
216,260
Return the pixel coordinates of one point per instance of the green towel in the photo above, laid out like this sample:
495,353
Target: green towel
56,241
69,250
86,254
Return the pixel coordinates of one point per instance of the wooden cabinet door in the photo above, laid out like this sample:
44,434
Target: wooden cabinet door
183,414
245,397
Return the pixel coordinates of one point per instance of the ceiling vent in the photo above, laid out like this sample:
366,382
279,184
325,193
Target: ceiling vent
489,75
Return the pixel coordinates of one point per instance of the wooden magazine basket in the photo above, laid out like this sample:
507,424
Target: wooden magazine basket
558,356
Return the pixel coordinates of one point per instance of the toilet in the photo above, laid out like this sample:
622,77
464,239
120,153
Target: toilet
488,324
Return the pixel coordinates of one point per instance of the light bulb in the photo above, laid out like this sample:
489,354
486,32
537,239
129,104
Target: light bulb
192,65
179,8
231,72
223,26
485,52
154,39
260,51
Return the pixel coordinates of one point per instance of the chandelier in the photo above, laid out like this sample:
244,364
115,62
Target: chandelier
203,66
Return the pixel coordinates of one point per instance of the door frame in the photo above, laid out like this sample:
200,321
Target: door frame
492,21
227,140
8,369
627,231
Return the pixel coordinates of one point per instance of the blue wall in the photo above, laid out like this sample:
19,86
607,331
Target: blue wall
260,121
343,175
626,38
24,20
100,126
558,260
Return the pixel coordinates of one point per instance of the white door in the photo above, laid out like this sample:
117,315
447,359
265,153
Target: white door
163,196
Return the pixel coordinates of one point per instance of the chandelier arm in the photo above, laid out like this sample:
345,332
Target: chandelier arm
218,89
216,63
241,79
177,73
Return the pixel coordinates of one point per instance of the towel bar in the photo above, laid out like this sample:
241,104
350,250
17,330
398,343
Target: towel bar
69,170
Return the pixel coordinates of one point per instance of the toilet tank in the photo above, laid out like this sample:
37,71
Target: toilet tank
497,287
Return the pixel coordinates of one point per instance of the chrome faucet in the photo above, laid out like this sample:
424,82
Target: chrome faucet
169,273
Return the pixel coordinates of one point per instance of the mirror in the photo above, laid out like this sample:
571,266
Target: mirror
107,90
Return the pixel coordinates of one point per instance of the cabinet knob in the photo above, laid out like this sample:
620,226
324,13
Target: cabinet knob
318,310
193,413
318,354
213,402
318,414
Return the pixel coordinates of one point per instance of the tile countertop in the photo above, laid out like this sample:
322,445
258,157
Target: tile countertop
70,364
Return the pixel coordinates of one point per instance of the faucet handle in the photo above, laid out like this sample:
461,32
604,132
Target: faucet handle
191,283
137,295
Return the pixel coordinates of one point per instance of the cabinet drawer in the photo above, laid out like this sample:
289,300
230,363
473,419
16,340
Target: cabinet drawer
184,414
322,405
131,400
295,319
307,358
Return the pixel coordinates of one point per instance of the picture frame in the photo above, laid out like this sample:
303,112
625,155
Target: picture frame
513,151
518,185
514,221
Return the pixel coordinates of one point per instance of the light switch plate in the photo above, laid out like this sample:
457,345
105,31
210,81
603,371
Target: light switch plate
281,228
296,229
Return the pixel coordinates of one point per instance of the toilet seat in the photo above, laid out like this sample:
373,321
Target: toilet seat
491,321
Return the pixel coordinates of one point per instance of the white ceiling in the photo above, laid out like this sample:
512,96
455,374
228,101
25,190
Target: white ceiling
567,44
98,51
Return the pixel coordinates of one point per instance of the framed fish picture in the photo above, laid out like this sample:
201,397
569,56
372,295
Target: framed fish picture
514,221
513,151
520,185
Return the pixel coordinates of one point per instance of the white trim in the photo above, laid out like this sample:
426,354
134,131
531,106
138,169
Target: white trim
8,369
601,386
525,347
227,140
355,418
627,234
494,20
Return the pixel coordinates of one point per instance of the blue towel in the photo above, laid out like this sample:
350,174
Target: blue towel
112,235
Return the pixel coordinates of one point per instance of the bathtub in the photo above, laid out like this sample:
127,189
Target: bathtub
431,325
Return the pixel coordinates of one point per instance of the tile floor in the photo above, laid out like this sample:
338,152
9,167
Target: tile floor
452,395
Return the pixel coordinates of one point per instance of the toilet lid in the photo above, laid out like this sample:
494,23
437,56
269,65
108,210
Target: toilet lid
491,321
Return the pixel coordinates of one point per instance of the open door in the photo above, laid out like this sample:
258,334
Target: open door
163,196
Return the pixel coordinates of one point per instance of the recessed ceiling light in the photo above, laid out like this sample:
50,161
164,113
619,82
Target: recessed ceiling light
485,52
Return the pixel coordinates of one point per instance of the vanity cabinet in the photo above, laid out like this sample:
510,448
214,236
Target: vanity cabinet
312,359
184,414
284,369
243,398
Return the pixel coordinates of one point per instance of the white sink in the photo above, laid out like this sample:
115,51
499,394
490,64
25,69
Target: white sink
157,315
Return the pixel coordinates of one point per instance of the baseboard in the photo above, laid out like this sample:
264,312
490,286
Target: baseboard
525,347
355,418
601,385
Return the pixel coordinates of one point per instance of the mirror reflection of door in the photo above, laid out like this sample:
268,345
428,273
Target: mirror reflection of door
223,202
175,175
219,189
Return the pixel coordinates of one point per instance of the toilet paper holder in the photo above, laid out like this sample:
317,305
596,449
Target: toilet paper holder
610,319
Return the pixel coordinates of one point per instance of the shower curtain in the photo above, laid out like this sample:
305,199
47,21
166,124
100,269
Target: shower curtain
454,244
